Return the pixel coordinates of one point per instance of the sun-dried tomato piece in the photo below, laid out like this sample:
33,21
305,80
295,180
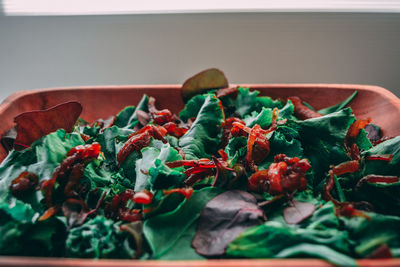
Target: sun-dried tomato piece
257,142
70,171
346,167
356,127
135,143
141,139
201,168
230,130
354,152
49,213
375,179
302,111
126,195
285,175
24,183
383,139
223,154
159,116
85,137
130,215
382,157
187,192
348,210
174,129
85,151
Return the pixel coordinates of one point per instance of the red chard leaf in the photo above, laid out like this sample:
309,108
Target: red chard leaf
8,138
298,212
382,252
35,124
223,219
373,132
201,82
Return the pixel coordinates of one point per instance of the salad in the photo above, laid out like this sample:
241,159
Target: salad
233,175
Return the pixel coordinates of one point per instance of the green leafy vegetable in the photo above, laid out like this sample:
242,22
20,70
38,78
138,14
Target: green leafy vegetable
338,106
173,231
204,135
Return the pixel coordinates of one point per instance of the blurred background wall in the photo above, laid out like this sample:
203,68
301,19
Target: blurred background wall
39,52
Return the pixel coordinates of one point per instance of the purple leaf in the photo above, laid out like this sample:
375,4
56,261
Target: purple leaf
298,212
224,218
373,132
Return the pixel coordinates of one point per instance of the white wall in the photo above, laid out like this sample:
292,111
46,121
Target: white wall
38,52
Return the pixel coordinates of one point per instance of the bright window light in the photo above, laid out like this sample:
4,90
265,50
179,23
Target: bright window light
85,7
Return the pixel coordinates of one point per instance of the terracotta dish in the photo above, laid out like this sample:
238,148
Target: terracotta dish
373,102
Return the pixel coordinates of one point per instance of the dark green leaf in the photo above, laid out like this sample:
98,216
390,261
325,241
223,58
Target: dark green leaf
317,251
323,140
127,118
192,107
338,106
370,233
263,118
97,238
247,102
173,231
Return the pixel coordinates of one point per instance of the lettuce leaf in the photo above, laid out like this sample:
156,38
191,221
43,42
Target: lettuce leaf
192,107
127,118
203,138
323,140
151,170
97,238
247,102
